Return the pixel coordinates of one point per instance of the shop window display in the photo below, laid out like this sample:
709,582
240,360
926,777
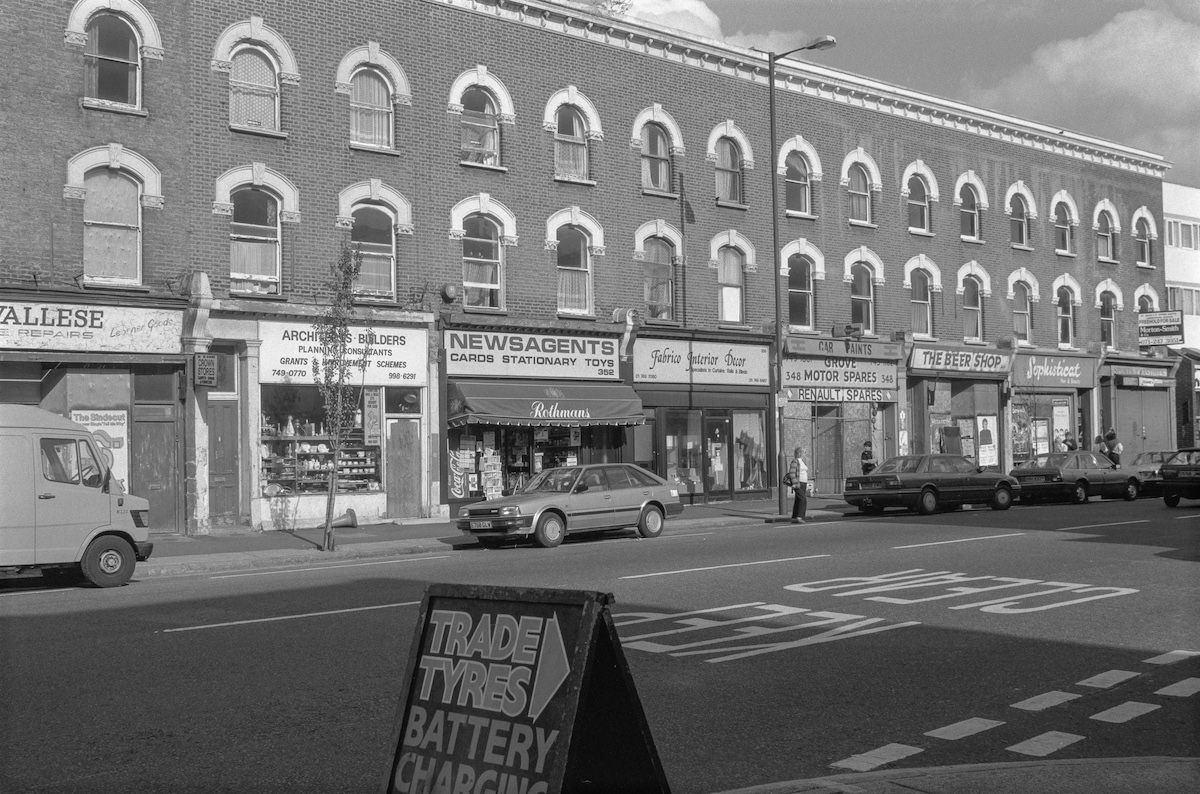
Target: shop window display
750,460
682,445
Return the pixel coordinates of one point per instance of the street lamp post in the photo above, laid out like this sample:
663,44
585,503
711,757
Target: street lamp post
819,43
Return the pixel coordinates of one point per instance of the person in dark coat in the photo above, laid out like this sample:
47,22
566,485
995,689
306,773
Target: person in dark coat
868,458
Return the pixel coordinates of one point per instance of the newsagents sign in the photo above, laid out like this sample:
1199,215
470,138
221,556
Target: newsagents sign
507,355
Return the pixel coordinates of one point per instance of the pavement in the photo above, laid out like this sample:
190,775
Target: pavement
178,555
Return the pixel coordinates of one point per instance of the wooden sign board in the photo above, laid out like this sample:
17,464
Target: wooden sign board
519,689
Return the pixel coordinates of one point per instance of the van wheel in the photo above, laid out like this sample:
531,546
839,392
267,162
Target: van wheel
108,561
650,524
550,530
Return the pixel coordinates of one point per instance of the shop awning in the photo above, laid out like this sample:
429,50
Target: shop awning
541,403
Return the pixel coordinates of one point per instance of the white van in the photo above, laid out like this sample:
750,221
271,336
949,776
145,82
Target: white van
61,510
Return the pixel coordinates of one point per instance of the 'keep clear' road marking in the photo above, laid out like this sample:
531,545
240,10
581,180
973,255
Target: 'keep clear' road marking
290,617
718,567
1045,701
1171,657
959,540
960,730
1125,712
1045,744
864,762
1106,680
1181,689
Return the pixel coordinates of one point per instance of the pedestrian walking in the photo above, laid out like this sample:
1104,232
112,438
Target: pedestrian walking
868,458
1113,446
797,479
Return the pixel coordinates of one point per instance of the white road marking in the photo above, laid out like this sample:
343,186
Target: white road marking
1125,712
965,728
1181,689
1171,657
1097,526
718,567
1044,701
864,762
1183,518
676,535
1045,744
960,540
290,617
37,592
1106,680
327,567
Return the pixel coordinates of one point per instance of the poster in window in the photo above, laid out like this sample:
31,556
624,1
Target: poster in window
988,449
110,429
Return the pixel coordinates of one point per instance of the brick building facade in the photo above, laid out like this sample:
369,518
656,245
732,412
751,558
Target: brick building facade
566,227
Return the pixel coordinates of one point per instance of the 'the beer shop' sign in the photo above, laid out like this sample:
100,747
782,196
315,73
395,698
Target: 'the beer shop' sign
522,690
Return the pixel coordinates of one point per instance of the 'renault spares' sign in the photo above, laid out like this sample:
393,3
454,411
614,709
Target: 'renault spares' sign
519,690
89,327
497,354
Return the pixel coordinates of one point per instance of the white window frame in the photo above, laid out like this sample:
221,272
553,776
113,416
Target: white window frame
731,291
136,278
920,300
1065,316
648,265
728,168
389,255
975,313
94,59
1108,323
578,167
257,278
970,213
919,204
386,111
498,288
803,184
805,292
1022,309
588,307
1106,240
238,88
1018,224
867,301
862,193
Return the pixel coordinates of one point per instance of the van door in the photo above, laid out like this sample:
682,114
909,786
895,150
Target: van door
16,499
69,501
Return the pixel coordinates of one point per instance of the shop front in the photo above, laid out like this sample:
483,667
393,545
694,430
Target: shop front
1187,391
518,403
1137,400
1051,403
707,407
117,370
841,393
956,398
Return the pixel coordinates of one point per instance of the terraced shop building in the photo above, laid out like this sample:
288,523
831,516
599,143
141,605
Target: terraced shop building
543,175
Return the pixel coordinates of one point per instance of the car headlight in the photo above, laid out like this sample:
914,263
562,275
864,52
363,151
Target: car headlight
464,512
511,510
675,492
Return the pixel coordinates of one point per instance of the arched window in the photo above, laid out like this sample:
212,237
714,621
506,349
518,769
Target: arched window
968,213
918,205
862,296
113,62
254,249
658,271
574,262
1064,242
860,193
972,306
1021,311
1105,241
797,185
253,90
656,158
1145,303
483,263
480,128
570,144
1018,220
729,171
1141,234
112,227
1065,308
374,238
920,299
730,281
1108,319
371,110
800,291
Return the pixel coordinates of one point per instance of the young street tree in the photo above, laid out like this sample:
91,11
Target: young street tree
333,371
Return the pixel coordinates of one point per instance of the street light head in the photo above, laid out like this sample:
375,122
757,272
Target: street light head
821,43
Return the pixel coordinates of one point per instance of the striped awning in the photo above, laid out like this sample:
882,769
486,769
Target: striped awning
539,403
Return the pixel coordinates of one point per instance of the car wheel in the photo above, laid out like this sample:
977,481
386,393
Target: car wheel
927,502
650,523
1171,499
108,561
1131,491
1002,498
1080,495
550,530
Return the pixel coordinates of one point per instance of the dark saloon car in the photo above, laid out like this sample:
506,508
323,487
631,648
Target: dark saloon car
1074,477
1148,467
575,499
1181,476
926,483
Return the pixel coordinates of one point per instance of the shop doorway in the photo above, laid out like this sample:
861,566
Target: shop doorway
223,469
827,450
154,464
403,474
717,460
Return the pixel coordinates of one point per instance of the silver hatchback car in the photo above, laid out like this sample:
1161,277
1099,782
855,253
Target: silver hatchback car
599,496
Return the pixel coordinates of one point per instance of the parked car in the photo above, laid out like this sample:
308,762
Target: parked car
1148,466
927,482
1074,477
1181,476
571,499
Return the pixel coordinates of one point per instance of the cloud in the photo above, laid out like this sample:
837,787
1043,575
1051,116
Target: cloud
688,16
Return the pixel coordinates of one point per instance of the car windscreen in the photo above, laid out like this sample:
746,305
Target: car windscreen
553,481
898,466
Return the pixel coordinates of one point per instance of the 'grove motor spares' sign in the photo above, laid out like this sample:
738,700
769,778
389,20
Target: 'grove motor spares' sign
511,355
89,327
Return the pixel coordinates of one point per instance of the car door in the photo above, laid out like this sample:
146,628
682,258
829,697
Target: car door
976,486
627,496
591,501
1101,469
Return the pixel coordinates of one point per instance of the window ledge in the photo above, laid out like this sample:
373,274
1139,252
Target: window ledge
1060,252
265,133
732,205
924,337
1147,266
1106,261
804,216
573,316
863,224
374,300
123,286
484,310
920,232
967,340
1019,247
801,329
665,323
733,327
366,147
88,103
650,191
1064,346
971,240
574,180
483,166
263,296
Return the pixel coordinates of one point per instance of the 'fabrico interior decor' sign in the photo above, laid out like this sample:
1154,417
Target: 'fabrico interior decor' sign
940,359
502,682
681,361
495,354
395,356
89,327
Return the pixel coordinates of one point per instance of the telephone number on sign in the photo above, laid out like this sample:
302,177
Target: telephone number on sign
289,373
402,376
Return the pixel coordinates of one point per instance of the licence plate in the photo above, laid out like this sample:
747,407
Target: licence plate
1033,479
481,525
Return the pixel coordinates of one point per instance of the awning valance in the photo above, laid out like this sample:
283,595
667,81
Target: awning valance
538,403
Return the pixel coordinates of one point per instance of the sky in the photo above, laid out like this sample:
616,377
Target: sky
1126,71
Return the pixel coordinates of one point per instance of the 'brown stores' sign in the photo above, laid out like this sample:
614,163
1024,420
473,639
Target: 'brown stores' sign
521,690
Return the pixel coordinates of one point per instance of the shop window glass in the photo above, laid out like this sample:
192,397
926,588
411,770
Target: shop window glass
682,450
658,273
112,61
797,185
749,454
656,158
